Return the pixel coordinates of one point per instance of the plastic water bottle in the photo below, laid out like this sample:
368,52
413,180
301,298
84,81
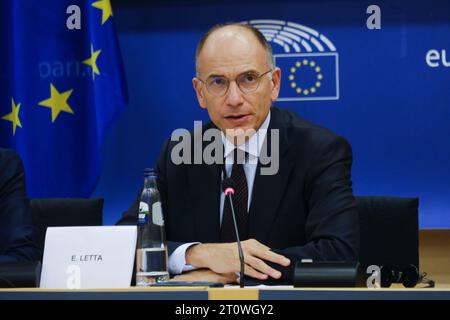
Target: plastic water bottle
151,253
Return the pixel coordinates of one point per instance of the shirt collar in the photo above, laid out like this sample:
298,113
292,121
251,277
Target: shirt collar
253,145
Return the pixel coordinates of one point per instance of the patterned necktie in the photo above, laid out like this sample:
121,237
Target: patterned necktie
240,202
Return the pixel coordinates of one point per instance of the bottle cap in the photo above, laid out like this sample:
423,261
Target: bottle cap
149,172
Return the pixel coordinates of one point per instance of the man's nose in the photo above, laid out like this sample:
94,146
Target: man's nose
234,95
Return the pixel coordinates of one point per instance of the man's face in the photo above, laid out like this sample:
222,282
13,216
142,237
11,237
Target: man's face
229,52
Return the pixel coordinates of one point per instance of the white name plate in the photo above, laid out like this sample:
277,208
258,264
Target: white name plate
88,257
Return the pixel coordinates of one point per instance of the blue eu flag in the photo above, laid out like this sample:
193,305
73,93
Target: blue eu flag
308,76
61,87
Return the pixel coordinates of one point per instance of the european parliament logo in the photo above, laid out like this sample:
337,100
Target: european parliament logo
308,60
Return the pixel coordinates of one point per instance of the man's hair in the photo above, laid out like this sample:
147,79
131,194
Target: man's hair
258,35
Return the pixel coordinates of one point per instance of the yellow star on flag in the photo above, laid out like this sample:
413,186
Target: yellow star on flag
13,116
57,102
92,61
105,6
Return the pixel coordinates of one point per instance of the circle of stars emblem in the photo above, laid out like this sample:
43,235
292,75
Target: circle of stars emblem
305,63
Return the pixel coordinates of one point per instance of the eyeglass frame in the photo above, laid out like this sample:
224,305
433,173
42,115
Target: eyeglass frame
258,78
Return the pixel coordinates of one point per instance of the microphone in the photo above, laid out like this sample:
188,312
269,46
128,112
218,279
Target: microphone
327,274
228,189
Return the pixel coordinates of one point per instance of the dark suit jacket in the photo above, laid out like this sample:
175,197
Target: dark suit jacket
306,210
16,231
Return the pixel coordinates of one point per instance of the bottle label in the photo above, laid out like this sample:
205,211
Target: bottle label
143,213
157,216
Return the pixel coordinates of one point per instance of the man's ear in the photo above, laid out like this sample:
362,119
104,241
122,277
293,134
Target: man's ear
198,87
276,82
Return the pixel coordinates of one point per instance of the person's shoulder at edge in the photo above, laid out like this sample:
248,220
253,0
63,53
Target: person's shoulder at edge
8,156
10,163
12,191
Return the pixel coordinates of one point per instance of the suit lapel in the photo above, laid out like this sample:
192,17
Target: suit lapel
268,190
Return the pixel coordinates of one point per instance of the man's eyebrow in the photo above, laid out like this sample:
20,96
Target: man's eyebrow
243,72
250,71
215,75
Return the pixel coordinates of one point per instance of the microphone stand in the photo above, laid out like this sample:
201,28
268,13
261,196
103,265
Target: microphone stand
241,253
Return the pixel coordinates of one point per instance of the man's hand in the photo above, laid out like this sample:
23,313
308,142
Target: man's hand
224,258
206,275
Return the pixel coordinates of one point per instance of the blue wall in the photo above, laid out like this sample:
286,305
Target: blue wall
393,108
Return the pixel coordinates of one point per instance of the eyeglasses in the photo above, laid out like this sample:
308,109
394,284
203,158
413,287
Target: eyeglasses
247,82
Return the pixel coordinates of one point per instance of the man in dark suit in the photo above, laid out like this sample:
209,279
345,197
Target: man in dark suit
305,210
16,232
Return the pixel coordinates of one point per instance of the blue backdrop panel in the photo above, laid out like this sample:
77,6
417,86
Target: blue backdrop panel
375,88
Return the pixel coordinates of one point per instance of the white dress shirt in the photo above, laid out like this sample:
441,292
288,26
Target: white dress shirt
253,146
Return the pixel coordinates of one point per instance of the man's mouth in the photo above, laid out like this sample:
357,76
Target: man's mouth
236,116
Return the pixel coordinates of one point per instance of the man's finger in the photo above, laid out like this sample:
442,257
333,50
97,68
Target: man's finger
266,254
251,272
262,267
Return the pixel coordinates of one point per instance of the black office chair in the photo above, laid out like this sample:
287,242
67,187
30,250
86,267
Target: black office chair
63,212
389,231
